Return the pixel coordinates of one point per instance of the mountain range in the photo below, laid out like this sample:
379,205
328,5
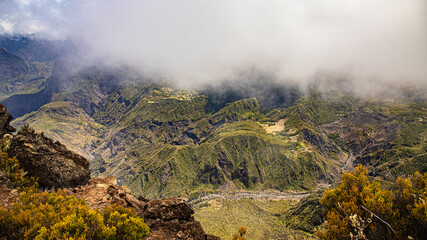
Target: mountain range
256,135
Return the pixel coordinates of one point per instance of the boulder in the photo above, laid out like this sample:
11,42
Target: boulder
168,209
50,162
172,218
177,229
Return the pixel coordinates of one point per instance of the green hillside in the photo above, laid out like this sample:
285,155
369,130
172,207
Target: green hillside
65,122
263,219
161,141
21,77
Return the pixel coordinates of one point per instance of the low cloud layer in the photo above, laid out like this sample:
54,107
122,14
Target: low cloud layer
196,41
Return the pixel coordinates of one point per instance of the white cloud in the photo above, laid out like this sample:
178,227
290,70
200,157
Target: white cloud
6,26
34,16
204,40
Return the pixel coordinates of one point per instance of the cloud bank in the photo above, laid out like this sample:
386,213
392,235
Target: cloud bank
197,41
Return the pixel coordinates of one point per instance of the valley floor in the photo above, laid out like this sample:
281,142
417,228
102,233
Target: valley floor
266,195
263,218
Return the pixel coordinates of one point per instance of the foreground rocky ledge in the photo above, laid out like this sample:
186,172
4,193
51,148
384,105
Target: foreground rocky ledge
168,218
57,167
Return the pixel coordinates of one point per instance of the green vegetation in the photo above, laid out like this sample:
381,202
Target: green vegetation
14,173
133,102
306,215
55,215
19,77
313,110
263,219
408,152
239,110
163,142
240,153
65,122
361,209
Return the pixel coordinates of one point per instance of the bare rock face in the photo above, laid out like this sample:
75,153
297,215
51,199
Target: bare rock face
100,192
168,218
177,229
49,161
168,209
5,119
171,218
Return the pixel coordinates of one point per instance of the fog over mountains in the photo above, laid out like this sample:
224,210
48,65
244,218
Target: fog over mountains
196,42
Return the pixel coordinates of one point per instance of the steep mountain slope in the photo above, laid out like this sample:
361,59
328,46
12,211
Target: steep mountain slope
165,142
64,121
225,150
11,65
25,64
19,76
162,142
390,138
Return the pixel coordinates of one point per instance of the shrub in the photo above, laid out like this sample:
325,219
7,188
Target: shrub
54,215
361,209
240,235
10,167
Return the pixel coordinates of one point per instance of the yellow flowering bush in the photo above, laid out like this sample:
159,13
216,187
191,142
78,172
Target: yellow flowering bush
55,215
361,209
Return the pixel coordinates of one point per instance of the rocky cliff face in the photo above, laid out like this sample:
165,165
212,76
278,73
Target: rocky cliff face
51,162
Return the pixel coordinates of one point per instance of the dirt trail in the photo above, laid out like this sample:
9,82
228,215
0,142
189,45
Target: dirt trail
273,195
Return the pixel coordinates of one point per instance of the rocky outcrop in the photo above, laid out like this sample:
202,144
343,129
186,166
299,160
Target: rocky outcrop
168,218
171,218
5,119
100,192
50,162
